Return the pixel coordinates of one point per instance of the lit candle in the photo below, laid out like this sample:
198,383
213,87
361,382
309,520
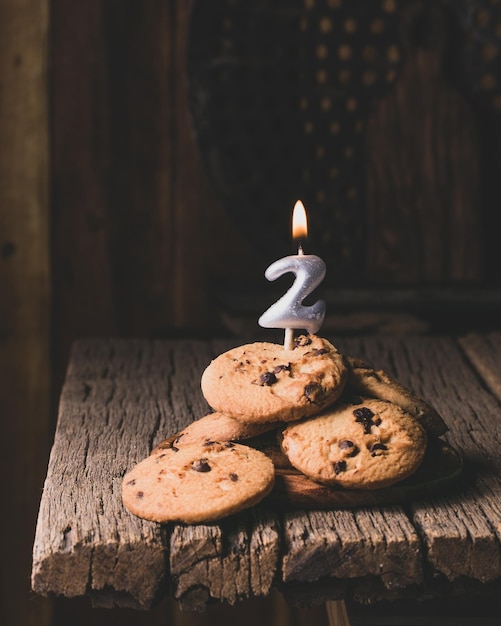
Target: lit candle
288,312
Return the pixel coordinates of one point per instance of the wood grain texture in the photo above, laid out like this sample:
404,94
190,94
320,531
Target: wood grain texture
226,562
127,395
123,397
350,544
484,352
25,295
206,244
460,530
80,226
423,167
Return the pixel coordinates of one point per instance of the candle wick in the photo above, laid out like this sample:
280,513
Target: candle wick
300,249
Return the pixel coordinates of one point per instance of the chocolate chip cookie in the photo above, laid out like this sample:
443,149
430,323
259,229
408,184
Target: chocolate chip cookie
369,445
372,383
197,483
217,427
265,382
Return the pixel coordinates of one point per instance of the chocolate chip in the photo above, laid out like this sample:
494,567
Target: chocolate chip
139,494
339,466
302,340
282,368
201,466
312,391
364,416
363,413
346,444
267,379
377,446
234,477
320,351
132,482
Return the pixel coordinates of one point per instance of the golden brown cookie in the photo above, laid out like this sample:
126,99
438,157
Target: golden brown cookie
197,483
360,446
372,383
264,382
217,427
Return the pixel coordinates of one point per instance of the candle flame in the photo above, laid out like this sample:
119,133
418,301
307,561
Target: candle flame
299,221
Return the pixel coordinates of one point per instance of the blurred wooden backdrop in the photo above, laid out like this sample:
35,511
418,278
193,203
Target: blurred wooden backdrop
108,226
111,224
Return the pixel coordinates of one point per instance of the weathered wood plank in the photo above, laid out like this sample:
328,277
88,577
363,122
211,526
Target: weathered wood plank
460,530
206,243
25,293
484,351
139,61
227,562
119,400
351,544
126,396
82,271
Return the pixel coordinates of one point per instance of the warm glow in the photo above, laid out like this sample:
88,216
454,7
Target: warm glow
299,221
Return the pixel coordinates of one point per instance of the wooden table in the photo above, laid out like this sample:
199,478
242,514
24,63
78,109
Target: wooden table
122,397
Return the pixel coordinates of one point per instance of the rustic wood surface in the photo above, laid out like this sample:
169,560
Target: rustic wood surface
125,396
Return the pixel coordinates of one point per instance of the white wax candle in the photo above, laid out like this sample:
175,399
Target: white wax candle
288,312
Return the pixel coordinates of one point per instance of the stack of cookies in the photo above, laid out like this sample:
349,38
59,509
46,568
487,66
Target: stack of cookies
328,416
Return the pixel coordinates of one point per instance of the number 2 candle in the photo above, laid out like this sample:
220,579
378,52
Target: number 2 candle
288,312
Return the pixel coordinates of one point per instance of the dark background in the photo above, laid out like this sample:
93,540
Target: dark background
149,162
